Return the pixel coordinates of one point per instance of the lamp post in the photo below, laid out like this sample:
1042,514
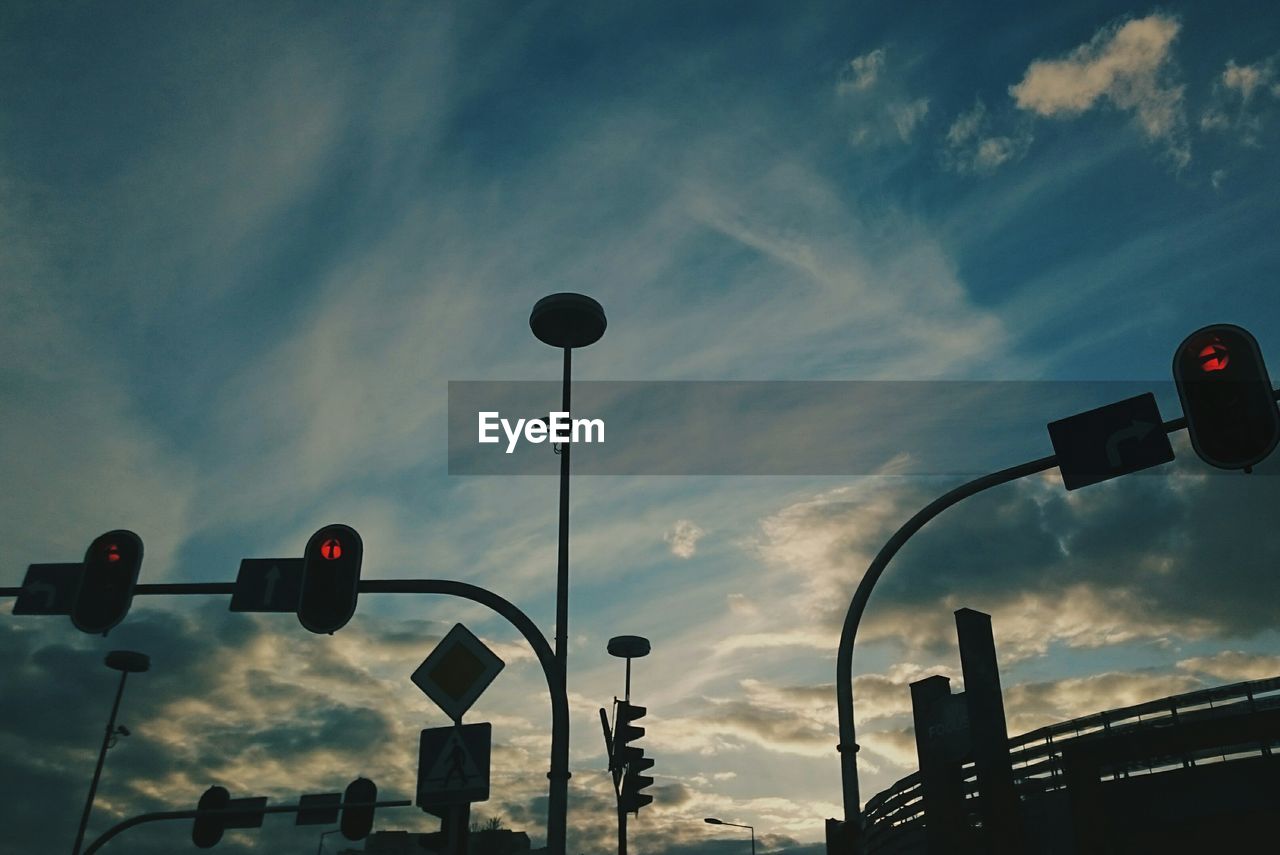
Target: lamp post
565,321
711,820
323,835
126,662
626,647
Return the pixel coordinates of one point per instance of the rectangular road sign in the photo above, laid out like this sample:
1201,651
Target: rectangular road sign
319,809
1110,441
268,585
48,589
248,812
453,765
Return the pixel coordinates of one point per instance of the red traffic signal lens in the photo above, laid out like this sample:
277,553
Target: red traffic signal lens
331,549
1214,356
113,552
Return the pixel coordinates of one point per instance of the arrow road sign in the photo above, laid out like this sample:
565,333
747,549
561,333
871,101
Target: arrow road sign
267,585
48,589
457,671
453,765
1110,441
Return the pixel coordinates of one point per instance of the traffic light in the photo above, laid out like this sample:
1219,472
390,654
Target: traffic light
330,578
625,732
207,830
358,821
1226,396
631,798
111,567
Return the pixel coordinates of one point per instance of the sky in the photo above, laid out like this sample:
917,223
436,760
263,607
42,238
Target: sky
246,248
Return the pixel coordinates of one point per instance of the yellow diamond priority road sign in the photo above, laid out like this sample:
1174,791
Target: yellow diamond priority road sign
457,672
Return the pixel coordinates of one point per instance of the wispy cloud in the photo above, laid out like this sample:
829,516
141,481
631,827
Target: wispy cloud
973,146
682,538
1244,100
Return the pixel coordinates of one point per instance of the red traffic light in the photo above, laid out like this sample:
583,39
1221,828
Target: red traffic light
111,565
1214,356
1226,396
330,578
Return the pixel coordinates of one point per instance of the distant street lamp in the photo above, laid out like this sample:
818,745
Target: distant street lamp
323,835
126,662
563,321
711,820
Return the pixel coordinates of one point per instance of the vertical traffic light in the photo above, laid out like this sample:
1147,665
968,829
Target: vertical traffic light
330,578
631,798
628,760
207,830
1226,396
358,821
111,567
625,732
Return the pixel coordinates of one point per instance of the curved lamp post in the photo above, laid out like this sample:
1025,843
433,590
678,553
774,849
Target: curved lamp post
565,321
126,662
711,820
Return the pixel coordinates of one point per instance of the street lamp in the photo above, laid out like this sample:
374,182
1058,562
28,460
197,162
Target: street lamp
626,647
323,835
565,321
711,820
126,662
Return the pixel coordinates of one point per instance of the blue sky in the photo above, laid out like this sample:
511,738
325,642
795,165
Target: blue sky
247,246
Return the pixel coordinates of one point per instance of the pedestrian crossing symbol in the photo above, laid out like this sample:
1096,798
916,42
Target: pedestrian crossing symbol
453,765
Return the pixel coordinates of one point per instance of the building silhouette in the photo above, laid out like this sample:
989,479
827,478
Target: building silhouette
1195,772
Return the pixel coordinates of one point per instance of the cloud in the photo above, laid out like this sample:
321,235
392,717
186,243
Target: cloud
887,116
1234,666
861,72
683,538
1032,705
972,147
1129,65
1243,100
907,116
1143,558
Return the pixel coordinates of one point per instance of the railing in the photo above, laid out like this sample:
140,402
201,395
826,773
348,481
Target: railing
1037,756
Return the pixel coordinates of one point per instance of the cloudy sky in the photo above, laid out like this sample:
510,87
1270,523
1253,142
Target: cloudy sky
247,246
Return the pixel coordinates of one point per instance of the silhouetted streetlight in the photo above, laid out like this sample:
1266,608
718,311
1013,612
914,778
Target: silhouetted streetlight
126,662
711,820
323,835
564,321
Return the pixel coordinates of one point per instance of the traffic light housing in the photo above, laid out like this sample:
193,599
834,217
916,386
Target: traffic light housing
110,572
625,732
207,830
631,799
358,821
1226,396
330,578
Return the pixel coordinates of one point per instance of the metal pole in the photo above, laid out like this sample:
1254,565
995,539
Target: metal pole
622,830
559,774
323,835
628,679
160,816
97,772
848,746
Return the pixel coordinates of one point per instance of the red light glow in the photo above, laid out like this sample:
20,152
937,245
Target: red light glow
113,553
1214,357
331,549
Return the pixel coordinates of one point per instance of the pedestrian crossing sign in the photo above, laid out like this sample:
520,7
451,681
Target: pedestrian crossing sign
453,765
